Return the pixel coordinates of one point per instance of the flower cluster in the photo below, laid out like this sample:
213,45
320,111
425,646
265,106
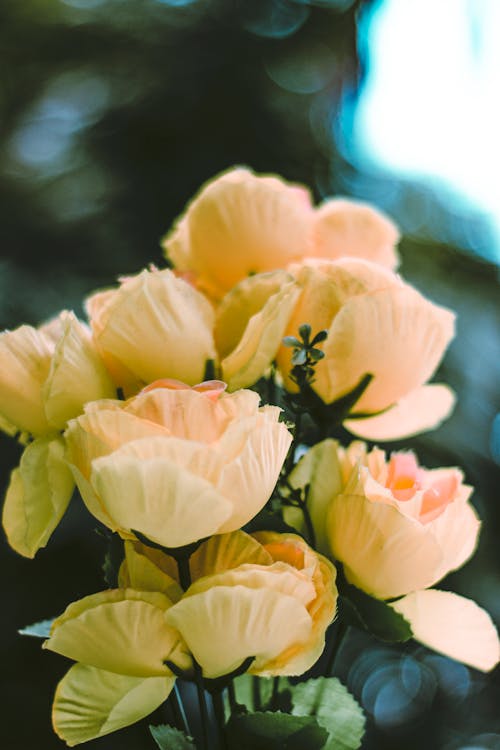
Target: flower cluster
234,553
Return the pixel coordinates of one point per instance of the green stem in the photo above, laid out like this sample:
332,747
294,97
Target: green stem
202,701
256,693
218,704
309,525
184,572
231,694
337,643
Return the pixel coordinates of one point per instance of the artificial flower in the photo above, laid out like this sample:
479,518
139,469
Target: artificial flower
241,223
176,464
376,325
155,325
121,642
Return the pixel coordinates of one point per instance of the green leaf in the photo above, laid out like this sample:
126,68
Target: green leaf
274,731
169,738
38,629
334,708
299,357
292,341
373,615
267,521
321,336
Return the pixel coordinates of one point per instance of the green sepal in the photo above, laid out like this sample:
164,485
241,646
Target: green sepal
169,738
113,558
266,520
274,731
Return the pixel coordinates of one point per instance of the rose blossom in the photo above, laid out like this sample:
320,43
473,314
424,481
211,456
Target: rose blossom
176,464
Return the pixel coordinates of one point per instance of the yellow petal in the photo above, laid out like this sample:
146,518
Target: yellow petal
160,492
226,551
423,409
76,376
25,356
91,703
158,326
240,224
395,334
319,468
121,631
139,571
260,341
453,625
254,449
384,552
225,625
350,228
37,496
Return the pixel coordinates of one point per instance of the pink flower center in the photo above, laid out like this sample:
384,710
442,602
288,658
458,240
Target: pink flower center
404,476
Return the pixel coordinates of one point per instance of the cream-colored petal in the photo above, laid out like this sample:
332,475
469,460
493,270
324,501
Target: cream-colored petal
250,475
77,374
240,224
158,326
138,571
225,552
319,468
452,625
91,703
38,495
225,625
279,576
159,496
395,334
423,409
25,356
456,531
262,328
384,552
119,630
351,228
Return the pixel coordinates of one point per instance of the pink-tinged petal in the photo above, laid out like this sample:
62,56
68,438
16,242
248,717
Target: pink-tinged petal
351,228
403,476
91,703
37,496
384,552
456,530
452,625
423,409
240,224
396,335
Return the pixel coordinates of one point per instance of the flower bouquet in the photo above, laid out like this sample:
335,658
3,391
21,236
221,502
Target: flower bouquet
198,414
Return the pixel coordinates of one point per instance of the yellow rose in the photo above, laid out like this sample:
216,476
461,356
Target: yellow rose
267,596
240,224
120,640
177,465
47,374
379,325
46,377
155,325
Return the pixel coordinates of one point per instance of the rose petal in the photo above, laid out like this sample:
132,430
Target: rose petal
423,409
91,703
452,625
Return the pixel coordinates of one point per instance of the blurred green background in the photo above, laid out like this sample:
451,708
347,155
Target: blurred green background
113,114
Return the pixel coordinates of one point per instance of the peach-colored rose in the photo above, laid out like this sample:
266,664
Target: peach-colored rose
396,526
376,324
240,224
176,464
155,325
